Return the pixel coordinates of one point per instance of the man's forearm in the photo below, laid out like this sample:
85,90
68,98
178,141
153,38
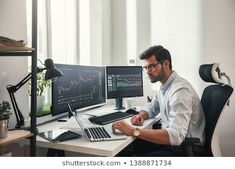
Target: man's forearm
158,136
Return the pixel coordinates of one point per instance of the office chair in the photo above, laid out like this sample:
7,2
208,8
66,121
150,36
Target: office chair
214,99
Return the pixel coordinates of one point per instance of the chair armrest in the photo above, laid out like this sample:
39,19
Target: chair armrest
188,144
190,141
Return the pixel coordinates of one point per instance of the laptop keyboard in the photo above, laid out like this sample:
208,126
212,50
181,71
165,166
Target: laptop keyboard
97,133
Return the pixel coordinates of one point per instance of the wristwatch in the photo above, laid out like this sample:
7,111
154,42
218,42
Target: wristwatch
136,132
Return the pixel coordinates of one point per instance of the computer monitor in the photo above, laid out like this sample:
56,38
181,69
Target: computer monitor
123,81
80,86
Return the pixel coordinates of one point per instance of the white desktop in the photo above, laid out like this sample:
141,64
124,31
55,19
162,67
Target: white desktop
83,145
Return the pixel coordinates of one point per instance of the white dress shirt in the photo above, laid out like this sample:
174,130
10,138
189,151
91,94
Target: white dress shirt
181,111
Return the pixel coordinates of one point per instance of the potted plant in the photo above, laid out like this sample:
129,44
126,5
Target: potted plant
42,84
4,117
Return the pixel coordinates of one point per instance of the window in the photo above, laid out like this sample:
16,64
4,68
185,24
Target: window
57,30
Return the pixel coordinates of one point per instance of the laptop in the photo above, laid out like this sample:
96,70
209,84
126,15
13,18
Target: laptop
97,133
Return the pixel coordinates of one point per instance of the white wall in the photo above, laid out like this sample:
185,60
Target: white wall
13,69
177,26
198,32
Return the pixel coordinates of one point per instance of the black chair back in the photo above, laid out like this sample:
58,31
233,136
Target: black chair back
213,100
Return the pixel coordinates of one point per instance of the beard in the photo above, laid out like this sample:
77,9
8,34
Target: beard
157,78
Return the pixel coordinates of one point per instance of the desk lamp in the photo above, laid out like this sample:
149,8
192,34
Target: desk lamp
51,72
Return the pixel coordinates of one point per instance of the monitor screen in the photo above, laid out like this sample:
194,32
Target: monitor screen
80,86
124,81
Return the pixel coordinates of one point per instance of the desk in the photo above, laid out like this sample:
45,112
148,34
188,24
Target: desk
83,145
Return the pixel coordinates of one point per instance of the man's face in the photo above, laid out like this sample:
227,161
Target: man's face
154,69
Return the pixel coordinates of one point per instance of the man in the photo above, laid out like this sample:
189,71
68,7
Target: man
178,104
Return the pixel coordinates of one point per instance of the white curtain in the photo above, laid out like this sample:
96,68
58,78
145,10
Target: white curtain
57,31
64,31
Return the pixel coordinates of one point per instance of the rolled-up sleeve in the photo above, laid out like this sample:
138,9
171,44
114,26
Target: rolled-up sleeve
180,111
152,108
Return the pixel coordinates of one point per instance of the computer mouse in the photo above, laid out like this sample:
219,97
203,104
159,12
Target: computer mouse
132,111
118,132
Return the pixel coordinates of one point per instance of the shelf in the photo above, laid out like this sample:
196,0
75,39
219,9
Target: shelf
15,51
4,48
14,136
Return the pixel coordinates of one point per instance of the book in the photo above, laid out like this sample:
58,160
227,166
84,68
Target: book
11,42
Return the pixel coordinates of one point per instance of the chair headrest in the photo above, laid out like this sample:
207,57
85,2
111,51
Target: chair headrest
211,73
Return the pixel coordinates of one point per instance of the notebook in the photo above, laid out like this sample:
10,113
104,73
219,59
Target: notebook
97,133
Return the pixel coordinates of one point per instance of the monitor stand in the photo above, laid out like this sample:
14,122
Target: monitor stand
119,104
66,117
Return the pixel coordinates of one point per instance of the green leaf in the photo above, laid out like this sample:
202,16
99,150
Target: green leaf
5,110
42,84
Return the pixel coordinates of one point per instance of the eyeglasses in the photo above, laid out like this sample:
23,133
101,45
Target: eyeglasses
151,67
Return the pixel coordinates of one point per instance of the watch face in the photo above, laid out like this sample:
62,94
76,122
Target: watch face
136,132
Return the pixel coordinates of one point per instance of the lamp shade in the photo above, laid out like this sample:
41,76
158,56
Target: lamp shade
51,70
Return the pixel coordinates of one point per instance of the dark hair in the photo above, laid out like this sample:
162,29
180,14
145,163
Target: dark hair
159,52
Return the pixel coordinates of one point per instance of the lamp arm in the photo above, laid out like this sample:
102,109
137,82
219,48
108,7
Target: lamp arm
18,114
16,87
11,90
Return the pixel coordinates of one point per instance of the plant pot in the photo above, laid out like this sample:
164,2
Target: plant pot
40,103
3,128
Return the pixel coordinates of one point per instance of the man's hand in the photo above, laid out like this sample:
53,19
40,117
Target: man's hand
137,120
124,127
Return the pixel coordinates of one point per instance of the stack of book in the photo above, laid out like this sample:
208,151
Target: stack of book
4,41
7,44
